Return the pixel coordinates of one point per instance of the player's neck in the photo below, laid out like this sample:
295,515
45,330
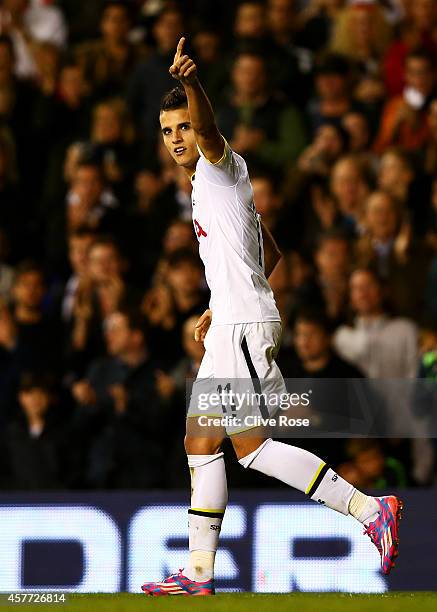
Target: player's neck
190,171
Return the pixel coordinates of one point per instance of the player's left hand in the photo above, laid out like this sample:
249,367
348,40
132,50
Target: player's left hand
202,326
183,68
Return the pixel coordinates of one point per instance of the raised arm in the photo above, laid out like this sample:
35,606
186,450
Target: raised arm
208,137
272,254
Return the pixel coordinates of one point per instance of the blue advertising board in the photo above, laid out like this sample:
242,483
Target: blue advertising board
272,541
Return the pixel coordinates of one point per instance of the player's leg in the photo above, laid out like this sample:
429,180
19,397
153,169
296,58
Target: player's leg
208,503
209,496
308,473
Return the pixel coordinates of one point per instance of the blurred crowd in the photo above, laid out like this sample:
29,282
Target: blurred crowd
333,104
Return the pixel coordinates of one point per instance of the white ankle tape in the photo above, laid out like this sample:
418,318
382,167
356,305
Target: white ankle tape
195,461
247,460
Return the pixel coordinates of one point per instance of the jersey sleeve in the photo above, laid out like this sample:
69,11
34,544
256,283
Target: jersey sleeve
226,171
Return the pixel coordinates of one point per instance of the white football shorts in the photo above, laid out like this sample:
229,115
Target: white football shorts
239,366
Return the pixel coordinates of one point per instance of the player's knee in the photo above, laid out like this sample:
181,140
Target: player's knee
245,447
202,446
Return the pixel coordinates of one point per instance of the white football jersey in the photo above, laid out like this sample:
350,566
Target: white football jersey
228,229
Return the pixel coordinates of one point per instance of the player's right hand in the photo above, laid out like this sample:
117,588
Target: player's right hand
183,68
202,326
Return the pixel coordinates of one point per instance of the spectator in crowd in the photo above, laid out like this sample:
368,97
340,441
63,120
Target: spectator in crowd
79,244
362,33
313,345
395,175
63,119
109,61
387,246
37,333
118,398
168,304
358,128
268,200
380,345
416,30
40,450
350,188
329,143
316,23
102,289
257,123
293,63
328,289
403,122
250,21
373,468
112,142
179,235
89,203
213,72
28,23
333,99
386,347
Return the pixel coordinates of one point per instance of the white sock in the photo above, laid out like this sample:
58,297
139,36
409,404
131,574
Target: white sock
209,496
303,471
363,507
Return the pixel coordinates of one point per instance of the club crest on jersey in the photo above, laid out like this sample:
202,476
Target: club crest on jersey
199,229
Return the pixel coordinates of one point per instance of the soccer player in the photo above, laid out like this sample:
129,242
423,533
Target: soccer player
242,341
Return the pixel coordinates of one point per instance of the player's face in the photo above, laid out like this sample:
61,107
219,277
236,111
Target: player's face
179,137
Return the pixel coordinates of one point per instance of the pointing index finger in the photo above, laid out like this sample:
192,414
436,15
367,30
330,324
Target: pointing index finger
179,49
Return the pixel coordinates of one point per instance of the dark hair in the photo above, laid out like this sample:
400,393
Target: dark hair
332,235
36,380
262,172
118,4
82,232
176,98
88,160
420,53
315,316
106,240
333,63
28,266
341,132
135,319
181,256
